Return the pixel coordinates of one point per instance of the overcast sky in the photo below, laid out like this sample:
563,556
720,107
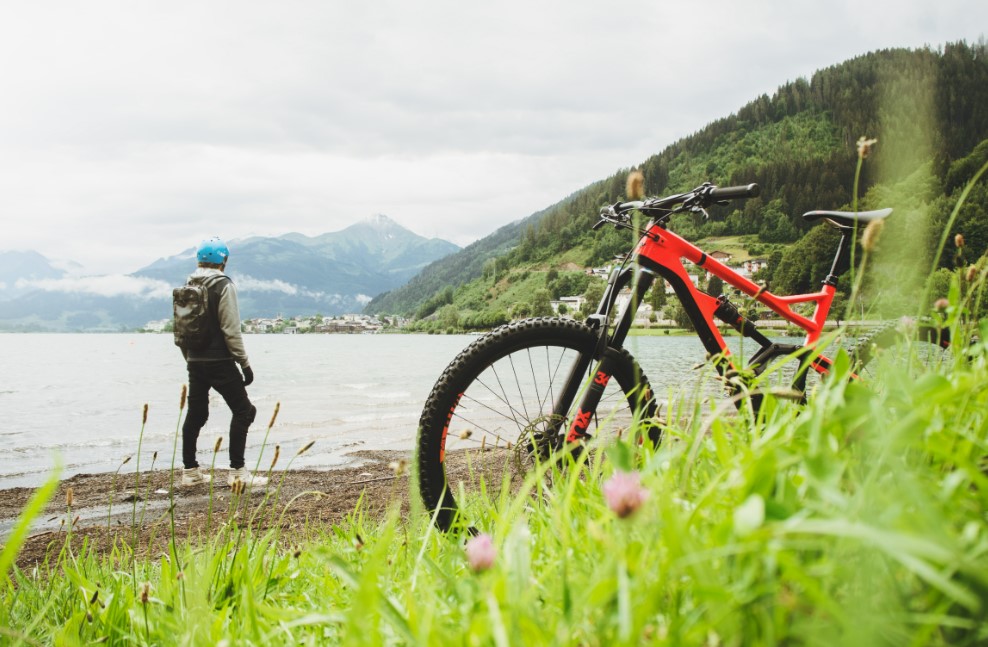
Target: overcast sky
131,130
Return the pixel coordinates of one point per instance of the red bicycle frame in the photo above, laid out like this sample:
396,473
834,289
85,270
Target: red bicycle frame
661,253
664,252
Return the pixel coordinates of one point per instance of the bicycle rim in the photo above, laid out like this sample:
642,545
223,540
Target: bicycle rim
903,347
490,419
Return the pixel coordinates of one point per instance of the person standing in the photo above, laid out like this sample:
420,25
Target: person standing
215,367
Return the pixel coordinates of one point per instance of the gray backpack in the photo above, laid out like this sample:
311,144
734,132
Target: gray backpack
190,305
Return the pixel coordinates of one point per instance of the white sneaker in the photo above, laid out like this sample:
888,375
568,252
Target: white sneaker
245,477
195,476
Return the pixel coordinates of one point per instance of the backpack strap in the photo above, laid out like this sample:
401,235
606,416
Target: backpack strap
208,281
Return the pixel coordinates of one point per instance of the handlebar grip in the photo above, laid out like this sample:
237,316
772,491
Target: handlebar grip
734,192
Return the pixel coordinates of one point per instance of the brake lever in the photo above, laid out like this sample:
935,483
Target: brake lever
706,216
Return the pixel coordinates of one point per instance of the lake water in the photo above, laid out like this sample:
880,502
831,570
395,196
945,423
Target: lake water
78,399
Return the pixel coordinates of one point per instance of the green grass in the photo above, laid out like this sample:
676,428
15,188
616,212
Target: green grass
737,246
858,519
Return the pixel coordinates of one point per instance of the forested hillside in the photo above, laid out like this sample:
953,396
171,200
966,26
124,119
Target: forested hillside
928,109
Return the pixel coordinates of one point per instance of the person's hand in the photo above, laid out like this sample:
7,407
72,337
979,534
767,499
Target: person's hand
248,375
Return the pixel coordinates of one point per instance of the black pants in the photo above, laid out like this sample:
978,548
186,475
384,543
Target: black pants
225,378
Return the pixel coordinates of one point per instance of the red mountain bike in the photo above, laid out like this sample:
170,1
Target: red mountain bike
535,385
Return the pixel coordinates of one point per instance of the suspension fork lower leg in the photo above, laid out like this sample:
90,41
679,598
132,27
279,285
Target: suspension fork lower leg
591,398
642,280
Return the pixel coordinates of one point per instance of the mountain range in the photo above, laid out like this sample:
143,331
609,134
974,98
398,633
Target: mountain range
329,274
928,110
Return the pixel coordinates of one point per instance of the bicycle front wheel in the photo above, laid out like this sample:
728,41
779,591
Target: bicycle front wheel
492,408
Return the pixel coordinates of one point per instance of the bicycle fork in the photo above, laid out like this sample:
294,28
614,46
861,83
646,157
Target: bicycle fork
591,398
608,349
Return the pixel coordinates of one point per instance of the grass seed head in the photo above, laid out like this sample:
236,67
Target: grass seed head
398,466
217,445
144,417
277,453
69,497
959,241
864,146
869,240
306,448
145,593
274,416
181,402
634,188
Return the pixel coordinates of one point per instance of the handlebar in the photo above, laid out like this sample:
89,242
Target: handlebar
661,208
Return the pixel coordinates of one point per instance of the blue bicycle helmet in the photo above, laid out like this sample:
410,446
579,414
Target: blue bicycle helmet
212,250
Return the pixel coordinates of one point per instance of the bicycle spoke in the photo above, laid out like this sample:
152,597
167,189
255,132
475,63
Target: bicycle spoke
521,415
491,401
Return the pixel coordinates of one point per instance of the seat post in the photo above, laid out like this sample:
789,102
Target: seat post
840,257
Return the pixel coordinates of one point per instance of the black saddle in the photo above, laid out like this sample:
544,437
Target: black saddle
847,219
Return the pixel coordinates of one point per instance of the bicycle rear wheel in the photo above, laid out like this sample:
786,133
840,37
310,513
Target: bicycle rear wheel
916,348
491,410
922,346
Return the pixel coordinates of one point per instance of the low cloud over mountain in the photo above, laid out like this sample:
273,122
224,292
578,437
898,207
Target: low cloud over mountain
332,273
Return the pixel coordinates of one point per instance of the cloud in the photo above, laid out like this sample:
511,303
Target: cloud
452,118
113,285
246,284
119,285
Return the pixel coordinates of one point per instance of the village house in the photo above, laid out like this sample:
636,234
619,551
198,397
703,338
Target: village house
157,326
573,304
350,324
755,264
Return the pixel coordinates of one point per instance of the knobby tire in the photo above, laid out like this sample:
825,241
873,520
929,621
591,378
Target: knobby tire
498,393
